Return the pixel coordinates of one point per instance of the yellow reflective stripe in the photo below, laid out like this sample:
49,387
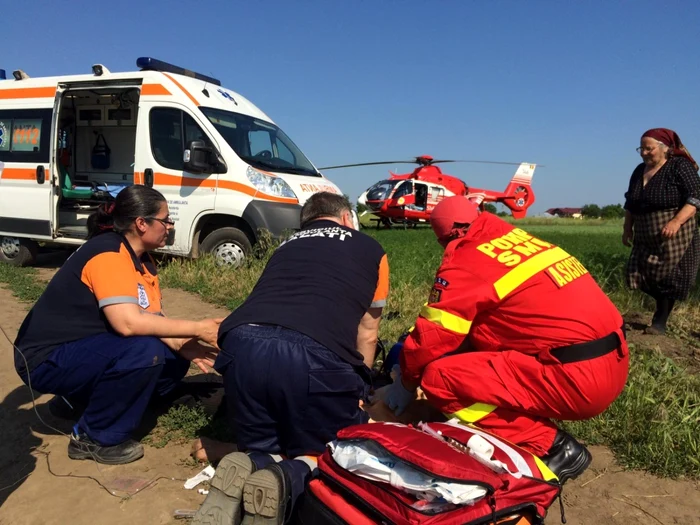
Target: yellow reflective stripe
547,474
445,319
528,269
474,413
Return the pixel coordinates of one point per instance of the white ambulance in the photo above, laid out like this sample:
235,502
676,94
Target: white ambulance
69,143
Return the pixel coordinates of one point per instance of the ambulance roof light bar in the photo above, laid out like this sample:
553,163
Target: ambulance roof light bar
151,64
3,76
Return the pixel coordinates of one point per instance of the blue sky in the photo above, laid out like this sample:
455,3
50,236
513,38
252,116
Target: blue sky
571,85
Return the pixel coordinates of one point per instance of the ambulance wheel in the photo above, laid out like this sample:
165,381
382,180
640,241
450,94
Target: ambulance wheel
18,252
229,246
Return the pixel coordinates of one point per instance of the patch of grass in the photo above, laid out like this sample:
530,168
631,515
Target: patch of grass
179,424
218,285
654,423
183,423
24,283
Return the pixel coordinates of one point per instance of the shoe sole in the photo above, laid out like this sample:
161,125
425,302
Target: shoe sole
223,503
261,499
573,472
84,454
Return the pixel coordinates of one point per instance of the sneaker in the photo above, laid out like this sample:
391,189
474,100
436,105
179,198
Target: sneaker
265,497
567,458
82,447
223,503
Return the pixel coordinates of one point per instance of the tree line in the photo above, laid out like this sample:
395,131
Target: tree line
610,211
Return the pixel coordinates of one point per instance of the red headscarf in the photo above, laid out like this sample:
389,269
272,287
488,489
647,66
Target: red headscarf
450,211
672,140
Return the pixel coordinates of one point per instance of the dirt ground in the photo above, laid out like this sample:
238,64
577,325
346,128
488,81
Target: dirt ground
31,494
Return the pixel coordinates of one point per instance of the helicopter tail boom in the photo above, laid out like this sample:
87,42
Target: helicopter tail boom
518,195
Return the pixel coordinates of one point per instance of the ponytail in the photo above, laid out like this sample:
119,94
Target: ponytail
102,220
118,215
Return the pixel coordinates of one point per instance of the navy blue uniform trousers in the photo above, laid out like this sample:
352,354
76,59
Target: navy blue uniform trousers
114,377
287,394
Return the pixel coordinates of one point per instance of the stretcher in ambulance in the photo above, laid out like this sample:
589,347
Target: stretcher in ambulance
69,143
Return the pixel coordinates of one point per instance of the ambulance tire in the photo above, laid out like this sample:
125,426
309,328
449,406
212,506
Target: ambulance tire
24,251
230,246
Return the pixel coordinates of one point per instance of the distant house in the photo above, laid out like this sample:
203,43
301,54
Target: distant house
565,212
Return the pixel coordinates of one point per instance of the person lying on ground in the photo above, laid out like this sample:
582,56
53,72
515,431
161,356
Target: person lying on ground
295,359
515,332
98,336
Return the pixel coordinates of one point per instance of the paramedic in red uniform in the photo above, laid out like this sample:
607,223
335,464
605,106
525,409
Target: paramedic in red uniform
516,331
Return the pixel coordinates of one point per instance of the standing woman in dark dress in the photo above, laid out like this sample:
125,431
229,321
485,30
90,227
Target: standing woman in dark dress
660,220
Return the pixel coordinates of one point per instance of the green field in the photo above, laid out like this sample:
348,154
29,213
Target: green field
414,256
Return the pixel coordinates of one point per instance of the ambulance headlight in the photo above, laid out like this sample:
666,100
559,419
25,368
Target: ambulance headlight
269,184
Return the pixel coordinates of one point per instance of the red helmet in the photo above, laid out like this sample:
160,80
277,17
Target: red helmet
450,211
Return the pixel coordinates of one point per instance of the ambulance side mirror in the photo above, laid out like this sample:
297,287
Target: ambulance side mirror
200,158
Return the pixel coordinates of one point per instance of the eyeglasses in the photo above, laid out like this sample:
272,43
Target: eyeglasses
165,222
648,150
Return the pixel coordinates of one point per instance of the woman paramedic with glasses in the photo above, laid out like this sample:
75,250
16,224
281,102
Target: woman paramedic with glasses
98,337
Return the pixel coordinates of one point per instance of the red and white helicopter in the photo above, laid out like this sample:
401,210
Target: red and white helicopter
409,198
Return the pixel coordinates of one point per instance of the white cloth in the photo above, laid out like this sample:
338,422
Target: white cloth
368,460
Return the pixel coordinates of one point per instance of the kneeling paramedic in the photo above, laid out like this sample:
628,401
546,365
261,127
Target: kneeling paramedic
516,331
295,359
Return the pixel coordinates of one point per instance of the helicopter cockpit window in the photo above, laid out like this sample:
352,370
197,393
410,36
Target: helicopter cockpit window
406,188
261,144
381,190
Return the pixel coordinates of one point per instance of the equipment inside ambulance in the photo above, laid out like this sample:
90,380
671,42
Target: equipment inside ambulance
70,143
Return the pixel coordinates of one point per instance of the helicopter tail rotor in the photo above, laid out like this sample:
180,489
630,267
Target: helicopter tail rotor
519,196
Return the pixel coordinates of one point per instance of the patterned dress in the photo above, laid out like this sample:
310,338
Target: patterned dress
658,266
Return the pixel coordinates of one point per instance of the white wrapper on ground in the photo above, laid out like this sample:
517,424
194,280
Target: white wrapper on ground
369,461
204,475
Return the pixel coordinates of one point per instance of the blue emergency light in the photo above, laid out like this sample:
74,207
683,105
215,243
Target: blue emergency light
2,75
151,64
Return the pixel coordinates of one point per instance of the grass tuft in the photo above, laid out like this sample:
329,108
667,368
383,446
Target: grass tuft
179,424
24,283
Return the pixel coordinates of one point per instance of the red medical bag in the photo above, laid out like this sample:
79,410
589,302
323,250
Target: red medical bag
519,496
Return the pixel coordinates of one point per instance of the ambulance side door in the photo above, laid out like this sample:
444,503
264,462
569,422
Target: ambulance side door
163,131
26,181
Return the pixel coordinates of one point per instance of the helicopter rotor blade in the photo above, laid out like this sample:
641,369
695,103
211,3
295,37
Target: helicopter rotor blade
370,164
482,162
421,163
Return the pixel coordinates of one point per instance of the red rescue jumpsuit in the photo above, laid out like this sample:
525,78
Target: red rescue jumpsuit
502,299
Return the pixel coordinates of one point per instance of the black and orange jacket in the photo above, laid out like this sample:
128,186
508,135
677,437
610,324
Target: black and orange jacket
103,271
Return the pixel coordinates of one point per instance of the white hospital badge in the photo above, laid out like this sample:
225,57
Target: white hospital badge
143,297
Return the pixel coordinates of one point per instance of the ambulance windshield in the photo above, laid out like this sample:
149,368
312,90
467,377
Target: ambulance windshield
261,144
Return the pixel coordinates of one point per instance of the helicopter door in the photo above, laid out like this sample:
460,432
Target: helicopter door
421,196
